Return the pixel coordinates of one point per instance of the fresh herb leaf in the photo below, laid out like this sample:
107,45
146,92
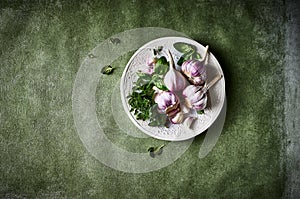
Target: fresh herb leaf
161,66
162,61
158,81
156,118
107,70
185,57
153,151
200,112
184,47
141,99
196,56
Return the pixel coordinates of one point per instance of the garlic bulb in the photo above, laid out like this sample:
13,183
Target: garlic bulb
195,71
195,97
168,103
173,79
165,100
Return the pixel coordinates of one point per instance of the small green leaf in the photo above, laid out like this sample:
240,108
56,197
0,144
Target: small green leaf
196,56
107,70
153,151
185,57
115,40
161,69
200,112
180,61
184,47
162,61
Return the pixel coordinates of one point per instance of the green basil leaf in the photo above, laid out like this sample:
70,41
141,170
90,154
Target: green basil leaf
162,61
161,66
183,58
196,56
184,47
161,69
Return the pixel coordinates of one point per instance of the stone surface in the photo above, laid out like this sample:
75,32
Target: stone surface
292,103
43,45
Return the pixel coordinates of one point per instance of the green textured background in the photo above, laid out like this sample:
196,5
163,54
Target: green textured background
42,47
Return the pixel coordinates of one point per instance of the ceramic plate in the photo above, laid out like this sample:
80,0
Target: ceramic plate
176,132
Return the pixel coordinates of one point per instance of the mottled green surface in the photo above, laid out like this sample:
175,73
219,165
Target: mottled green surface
43,45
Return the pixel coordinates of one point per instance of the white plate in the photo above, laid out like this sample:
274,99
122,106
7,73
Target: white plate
176,132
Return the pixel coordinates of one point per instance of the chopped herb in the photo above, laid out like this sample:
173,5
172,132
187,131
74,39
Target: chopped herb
141,99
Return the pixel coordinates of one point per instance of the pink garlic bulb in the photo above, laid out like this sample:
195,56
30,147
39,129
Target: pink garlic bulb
165,99
168,103
195,97
195,71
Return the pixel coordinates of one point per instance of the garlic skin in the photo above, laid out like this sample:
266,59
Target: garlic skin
195,71
173,79
151,61
195,97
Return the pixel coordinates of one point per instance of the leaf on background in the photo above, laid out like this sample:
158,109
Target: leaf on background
153,151
107,70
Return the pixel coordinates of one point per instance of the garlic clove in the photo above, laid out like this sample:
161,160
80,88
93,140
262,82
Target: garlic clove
178,118
194,93
185,109
195,97
189,121
173,79
201,104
